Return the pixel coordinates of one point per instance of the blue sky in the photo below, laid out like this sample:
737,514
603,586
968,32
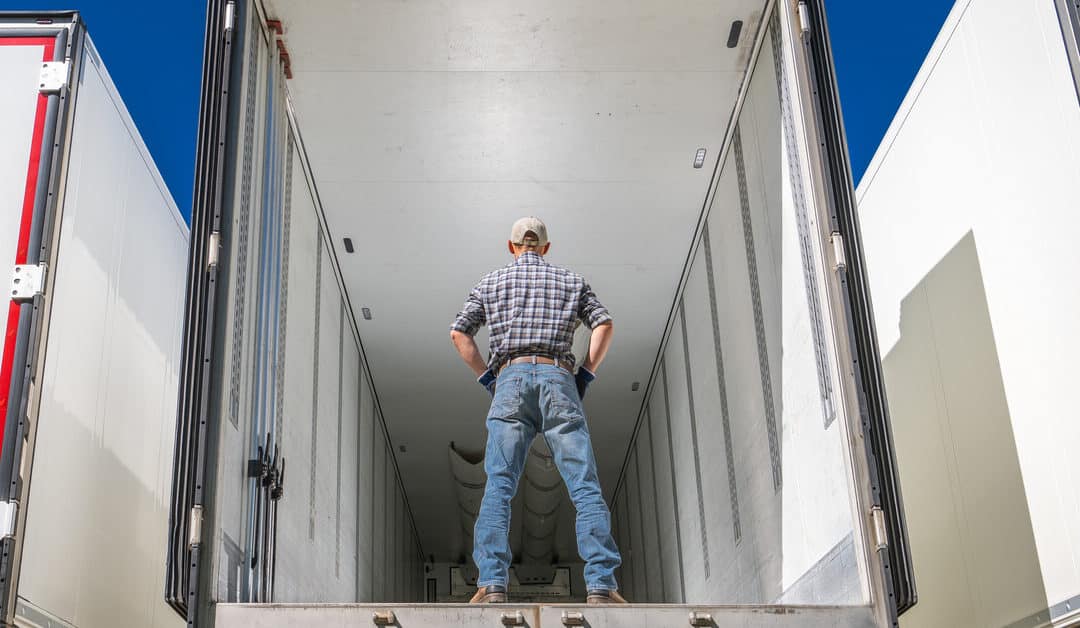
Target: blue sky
153,51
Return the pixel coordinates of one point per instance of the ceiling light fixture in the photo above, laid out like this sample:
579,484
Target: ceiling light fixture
634,387
348,245
699,158
366,312
733,36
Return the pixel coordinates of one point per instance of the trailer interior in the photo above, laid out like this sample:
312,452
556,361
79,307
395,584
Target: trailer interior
360,165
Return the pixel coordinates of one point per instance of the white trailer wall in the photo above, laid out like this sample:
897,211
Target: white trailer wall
98,501
969,219
294,375
738,487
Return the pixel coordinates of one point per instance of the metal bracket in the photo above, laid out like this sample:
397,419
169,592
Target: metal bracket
383,618
230,13
27,281
838,250
573,618
195,529
54,76
8,513
697,618
513,618
213,248
804,19
881,533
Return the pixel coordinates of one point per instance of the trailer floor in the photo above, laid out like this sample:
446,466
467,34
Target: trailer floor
540,616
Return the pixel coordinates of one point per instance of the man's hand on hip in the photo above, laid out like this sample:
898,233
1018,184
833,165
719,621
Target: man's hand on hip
583,378
487,380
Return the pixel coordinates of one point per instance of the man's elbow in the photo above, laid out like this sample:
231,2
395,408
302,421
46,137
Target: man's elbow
457,336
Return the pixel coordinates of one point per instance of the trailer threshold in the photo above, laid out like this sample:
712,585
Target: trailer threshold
540,615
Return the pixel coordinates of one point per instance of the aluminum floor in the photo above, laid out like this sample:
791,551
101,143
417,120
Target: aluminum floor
538,616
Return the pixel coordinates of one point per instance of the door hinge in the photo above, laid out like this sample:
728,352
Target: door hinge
881,533
54,76
230,13
195,529
8,513
212,250
838,251
804,18
27,281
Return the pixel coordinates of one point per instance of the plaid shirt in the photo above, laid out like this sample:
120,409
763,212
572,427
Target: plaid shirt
531,308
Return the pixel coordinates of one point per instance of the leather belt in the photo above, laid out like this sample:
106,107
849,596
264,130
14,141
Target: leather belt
536,359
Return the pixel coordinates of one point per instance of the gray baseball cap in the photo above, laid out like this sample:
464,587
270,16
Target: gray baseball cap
526,224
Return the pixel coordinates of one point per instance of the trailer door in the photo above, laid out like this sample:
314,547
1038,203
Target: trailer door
34,75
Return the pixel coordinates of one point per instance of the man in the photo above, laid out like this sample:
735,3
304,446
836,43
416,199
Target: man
532,309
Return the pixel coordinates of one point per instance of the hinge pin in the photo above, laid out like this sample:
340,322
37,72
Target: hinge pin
195,527
8,512
881,533
573,618
230,13
514,618
212,250
383,618
697,618
804,19
838,251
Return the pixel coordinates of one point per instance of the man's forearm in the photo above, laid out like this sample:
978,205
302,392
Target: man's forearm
598,346
470,353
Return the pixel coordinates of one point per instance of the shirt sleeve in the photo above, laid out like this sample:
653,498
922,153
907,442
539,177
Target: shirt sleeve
472,316
590,310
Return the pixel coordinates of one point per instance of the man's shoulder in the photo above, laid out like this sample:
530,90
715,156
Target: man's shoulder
565,275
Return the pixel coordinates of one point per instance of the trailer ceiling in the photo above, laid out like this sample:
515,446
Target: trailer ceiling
430,125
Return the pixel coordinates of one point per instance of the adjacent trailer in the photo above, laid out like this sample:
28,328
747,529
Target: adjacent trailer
95,247
358,165
969,213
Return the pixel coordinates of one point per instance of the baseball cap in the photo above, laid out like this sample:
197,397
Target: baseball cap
526,224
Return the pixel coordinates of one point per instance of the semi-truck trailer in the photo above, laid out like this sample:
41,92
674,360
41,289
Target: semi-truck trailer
358,165
95,249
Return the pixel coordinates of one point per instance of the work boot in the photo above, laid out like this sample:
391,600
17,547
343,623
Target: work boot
598,597
491,594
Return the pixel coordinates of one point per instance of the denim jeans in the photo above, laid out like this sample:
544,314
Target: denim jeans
532,398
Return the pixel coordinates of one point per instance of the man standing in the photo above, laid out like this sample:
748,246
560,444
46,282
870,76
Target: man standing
532,309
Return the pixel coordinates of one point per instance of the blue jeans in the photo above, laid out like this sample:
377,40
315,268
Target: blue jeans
531,398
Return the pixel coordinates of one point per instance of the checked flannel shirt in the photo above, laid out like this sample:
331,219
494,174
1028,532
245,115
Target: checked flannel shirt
531,308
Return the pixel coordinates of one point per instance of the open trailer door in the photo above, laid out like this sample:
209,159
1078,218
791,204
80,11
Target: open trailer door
273,361
95,248
866,361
